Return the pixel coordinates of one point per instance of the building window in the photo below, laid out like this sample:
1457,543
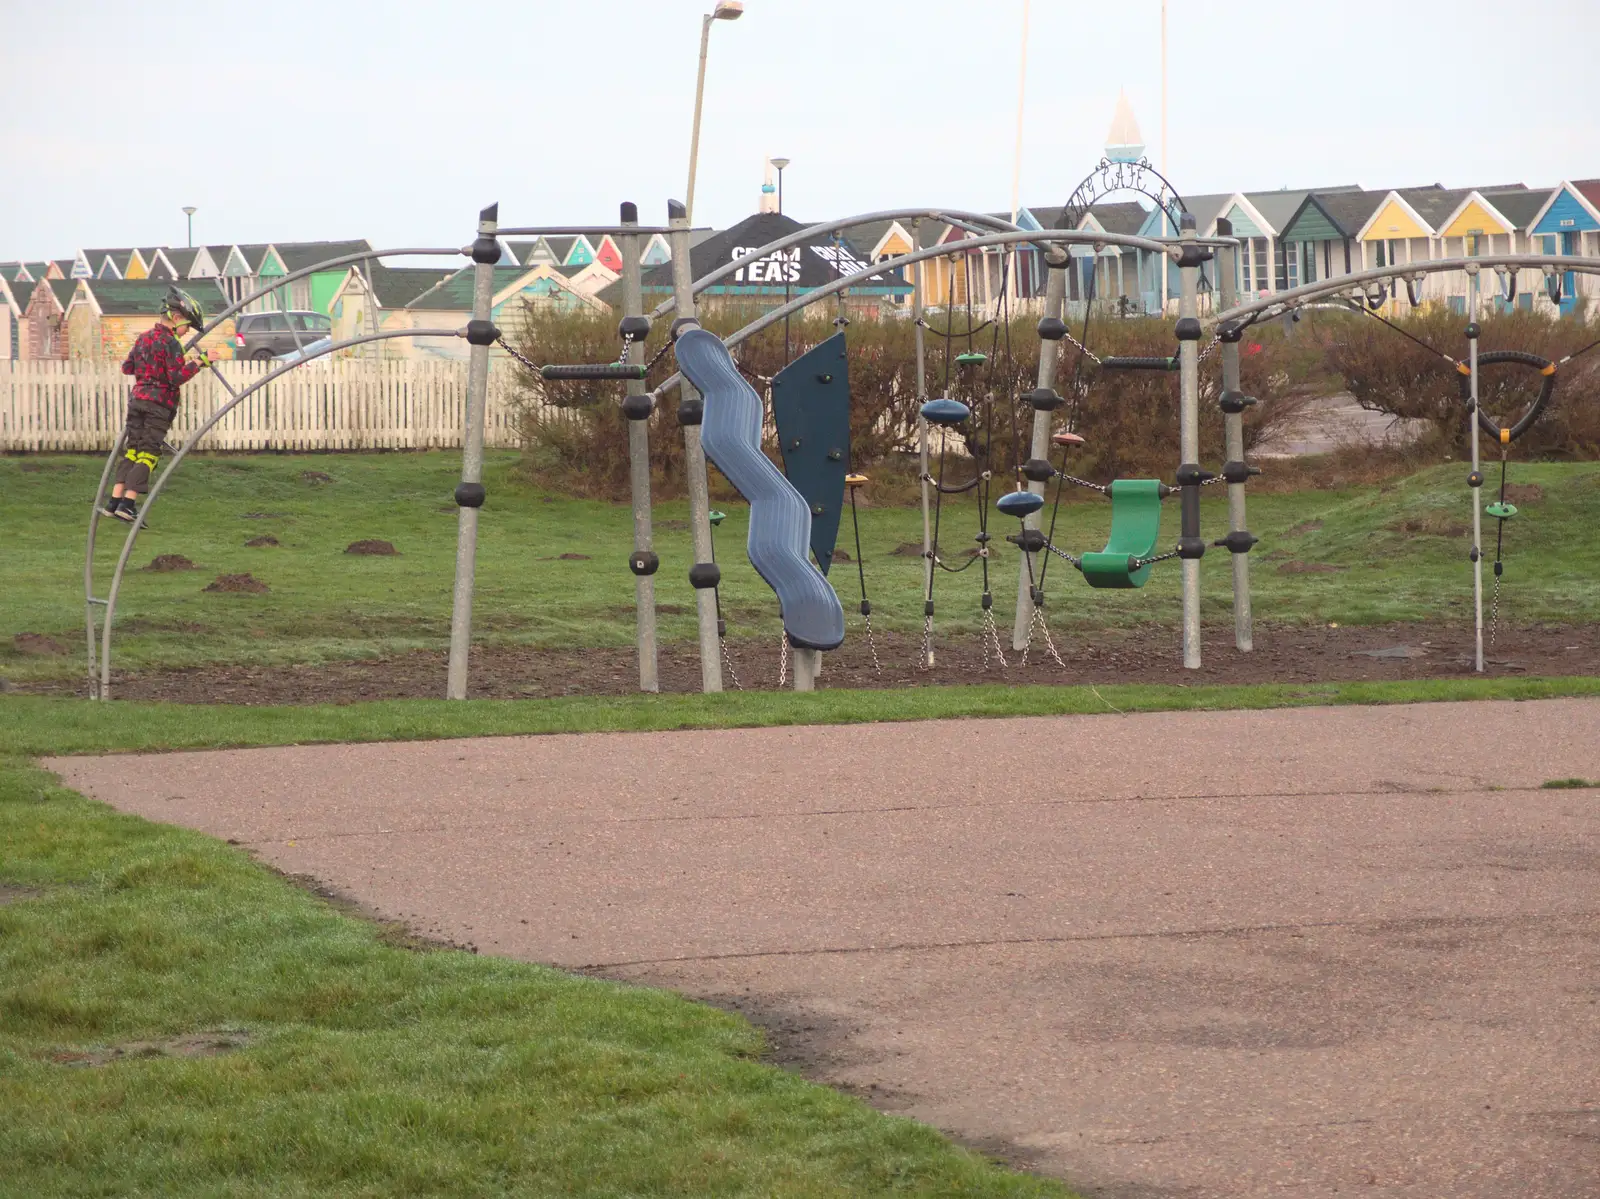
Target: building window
1258,251
1380,253
1475,244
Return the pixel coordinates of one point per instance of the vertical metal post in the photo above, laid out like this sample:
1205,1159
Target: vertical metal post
922,435
89,599
806,667
1477,470
1189,426
690,409
469,495
1057,262
1233,430
644,584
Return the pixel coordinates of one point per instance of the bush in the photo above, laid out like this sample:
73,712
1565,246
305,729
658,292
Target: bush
575,437
1389,373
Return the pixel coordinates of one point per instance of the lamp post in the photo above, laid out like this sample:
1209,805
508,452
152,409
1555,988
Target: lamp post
780,163
189,210
726,10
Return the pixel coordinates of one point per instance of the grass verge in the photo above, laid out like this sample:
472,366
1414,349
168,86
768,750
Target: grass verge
36,726
177,1020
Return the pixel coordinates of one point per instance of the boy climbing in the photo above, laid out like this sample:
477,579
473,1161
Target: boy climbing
159,368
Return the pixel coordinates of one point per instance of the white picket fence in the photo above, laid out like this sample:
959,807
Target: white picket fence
347,404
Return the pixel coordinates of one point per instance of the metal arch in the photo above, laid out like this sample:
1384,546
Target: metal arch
1108,177
103,691
1286,300
1046,237
958,218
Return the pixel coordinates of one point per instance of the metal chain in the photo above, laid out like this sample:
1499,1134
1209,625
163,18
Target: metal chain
1494,613
1211,480
783,662
727,660
1038,622
1138,563
1076,562
1206,353
991,638
520,357
927,642
1086,351
872,646
1100,487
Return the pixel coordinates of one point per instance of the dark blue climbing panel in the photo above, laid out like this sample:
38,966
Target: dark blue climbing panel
811,406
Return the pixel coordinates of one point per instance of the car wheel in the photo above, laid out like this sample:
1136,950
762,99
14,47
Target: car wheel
261,356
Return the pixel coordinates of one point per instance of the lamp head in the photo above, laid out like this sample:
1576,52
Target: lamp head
780,163
728,10
189,210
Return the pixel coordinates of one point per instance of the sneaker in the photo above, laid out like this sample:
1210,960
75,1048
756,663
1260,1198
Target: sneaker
111,507
126,511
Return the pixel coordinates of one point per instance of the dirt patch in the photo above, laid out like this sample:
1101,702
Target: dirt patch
186,1045
315,477
396,934
1309,568
380,548
39,468
1295,654
1305,526
37,643
1524,493
240,583
841,556
12,894
907,549
1434,524
264,540
163,563
261,516
565,558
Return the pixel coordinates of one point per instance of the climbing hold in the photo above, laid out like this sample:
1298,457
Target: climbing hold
945,411
1020,503
1066,439
855,481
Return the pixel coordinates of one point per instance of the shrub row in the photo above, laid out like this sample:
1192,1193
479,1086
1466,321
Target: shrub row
575,436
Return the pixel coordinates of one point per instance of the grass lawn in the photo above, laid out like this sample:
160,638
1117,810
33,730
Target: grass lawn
1400,561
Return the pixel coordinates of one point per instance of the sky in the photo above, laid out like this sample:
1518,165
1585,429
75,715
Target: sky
297,121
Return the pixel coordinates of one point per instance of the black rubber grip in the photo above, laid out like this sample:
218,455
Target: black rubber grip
594,370
1139,364
1547,386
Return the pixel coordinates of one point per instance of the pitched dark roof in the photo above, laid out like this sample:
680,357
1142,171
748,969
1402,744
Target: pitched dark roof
142,297
22,293
297,255
454,292
1347,211
397,286
1122,217
1519,207
182,259
816,261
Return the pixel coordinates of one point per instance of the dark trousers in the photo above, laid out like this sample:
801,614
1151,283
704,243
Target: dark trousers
146,429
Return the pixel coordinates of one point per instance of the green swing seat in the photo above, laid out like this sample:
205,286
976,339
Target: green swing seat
1135,525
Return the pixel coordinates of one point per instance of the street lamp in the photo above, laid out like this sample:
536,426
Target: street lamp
189,210
726,10
780,163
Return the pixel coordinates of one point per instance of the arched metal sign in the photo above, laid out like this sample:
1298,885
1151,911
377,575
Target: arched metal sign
1111,176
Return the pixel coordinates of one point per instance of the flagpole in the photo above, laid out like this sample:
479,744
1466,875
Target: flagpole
1016,158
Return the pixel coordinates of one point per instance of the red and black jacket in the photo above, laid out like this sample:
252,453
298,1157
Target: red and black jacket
157,365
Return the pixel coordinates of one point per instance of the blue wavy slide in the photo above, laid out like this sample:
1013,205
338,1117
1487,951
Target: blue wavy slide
780,522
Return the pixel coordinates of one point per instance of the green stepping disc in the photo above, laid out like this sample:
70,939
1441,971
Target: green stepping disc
715,517
1501,511
971,359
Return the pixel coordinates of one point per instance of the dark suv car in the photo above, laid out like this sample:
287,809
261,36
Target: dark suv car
260,336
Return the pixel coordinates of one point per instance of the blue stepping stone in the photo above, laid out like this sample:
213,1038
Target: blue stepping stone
1020,503
945,411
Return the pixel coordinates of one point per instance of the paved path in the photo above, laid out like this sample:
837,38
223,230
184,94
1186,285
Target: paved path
1348,951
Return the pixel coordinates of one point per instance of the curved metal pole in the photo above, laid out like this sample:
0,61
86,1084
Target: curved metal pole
958,218
194,439
342,260
1310,291
89,599
1062,236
